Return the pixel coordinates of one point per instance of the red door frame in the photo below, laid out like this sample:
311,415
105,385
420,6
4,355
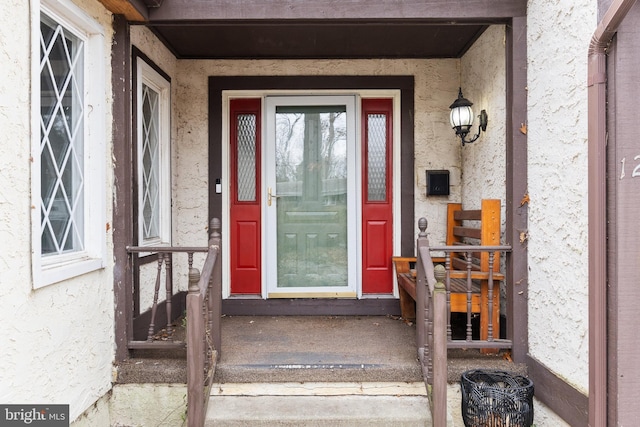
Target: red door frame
245,215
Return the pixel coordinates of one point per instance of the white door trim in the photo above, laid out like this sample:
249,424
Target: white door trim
227,95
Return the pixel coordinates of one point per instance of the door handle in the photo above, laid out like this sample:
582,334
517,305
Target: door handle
270,196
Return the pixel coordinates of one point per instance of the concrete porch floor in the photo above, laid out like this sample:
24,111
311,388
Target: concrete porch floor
310,349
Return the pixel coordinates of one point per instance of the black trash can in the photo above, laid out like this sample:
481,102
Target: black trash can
496,399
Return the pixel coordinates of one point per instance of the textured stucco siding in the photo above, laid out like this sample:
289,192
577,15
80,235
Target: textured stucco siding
483,82
58,341
558,37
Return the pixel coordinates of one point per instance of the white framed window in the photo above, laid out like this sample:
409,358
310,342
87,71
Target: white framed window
153,154
68,150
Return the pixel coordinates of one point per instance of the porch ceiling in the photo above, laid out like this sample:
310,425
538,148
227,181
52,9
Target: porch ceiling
314,39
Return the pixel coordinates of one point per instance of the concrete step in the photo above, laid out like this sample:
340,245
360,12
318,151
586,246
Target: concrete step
318,372
318,404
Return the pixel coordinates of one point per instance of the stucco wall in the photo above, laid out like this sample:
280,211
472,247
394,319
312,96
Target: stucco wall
57,342
557,41
483,82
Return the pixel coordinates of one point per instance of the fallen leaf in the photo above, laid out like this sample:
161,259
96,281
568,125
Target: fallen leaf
523,236
523,128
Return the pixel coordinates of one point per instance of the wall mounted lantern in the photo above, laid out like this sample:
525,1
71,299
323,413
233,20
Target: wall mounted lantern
461,118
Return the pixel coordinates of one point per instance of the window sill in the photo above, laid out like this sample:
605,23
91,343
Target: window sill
56,273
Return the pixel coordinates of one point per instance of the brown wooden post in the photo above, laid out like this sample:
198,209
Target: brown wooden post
421,294
122,184
195,352
439,309
215,290
517,209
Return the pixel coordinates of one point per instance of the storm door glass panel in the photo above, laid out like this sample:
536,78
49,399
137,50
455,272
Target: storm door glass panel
311,188
246,131
62,139
150,163
376,157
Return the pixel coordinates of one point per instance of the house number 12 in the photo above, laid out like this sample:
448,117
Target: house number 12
636,170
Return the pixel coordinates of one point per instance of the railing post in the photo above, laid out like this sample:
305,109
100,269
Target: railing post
195,352
215,290
421,329
439,299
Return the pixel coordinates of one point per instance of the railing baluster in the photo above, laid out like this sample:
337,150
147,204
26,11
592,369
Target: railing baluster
468,258
447,284
168,270
490,295
154,306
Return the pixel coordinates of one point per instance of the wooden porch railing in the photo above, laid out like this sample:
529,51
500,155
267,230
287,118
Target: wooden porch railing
204,309
164,258
203,312
433,315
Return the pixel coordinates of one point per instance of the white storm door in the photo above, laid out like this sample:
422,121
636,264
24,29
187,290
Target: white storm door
311,196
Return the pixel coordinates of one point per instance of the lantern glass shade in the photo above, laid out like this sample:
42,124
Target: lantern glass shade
461,118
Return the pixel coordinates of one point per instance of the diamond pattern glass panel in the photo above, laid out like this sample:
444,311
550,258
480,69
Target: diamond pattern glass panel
376,157
62,139
150,163
246,128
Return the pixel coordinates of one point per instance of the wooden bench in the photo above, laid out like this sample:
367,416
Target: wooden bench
464,227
